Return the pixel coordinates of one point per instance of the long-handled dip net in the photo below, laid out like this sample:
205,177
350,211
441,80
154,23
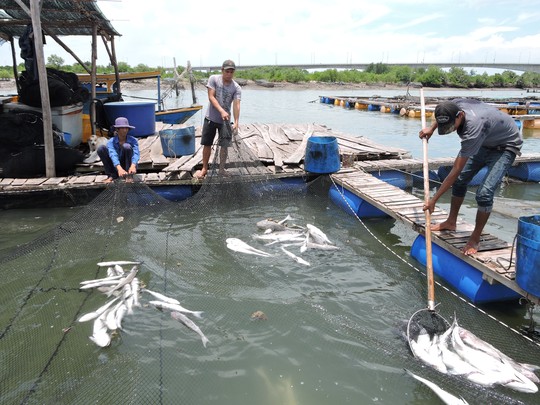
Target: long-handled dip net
254,290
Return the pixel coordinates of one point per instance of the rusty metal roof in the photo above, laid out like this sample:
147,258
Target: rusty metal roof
59,17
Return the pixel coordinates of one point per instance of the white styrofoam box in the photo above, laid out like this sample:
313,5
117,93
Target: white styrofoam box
67,118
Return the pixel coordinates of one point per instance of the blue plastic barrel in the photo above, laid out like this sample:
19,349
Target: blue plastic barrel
178,142
322,155
140,114
528,254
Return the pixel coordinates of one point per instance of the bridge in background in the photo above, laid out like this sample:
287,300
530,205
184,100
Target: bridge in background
522,67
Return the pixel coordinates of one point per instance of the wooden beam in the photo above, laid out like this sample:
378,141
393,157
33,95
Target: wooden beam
14,59
50,169
66,48
93,81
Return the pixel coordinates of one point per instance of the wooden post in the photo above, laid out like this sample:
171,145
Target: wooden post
115,66
14,59
192,82
50,169
93,80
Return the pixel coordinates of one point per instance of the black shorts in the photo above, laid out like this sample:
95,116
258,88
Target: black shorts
209,133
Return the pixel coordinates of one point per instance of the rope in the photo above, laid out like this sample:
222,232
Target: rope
339,189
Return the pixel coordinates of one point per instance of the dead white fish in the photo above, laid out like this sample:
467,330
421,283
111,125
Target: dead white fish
118,262
110,316
280,236
311,245
190,324
103,283
318,235
474,341
239,246
270,224
161,297
119,315
445,396
176,307
135,289
98,280
294,257
287,218
100,336
426,350
126,280
93,315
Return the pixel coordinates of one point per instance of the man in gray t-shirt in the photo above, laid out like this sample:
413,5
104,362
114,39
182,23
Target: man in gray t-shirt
489,138
222,92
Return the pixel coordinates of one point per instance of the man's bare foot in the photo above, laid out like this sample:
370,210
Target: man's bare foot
224,173
200,174
443,226
108,180
470,248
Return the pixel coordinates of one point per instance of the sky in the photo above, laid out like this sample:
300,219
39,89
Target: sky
160,32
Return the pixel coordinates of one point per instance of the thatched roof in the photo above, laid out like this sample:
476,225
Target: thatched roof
58,17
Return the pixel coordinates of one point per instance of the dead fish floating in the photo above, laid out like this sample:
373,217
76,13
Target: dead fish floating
240,246
127,290
459,352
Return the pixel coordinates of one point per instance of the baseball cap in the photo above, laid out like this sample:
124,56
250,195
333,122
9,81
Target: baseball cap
228,64
445,114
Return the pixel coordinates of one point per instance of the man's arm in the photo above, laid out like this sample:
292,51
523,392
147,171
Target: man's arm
236,113
213,100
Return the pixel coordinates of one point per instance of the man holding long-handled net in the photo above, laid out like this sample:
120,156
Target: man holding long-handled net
489,138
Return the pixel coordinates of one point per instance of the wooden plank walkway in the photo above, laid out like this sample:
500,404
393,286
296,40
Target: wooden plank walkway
408,209
281,147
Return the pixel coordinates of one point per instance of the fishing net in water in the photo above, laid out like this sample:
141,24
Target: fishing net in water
278,330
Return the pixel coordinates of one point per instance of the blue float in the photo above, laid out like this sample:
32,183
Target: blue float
322,155
394,177
526,171
461,275
528,254
418,178
476,180
174,193
140,114
354,205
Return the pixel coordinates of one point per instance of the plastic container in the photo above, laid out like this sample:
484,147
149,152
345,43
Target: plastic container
322,155
178,142
67,118
140,114
67,137
528,254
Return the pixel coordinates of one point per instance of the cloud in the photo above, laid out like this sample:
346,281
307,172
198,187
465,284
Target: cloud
312,31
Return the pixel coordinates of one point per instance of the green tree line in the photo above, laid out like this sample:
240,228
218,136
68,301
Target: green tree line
376,73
